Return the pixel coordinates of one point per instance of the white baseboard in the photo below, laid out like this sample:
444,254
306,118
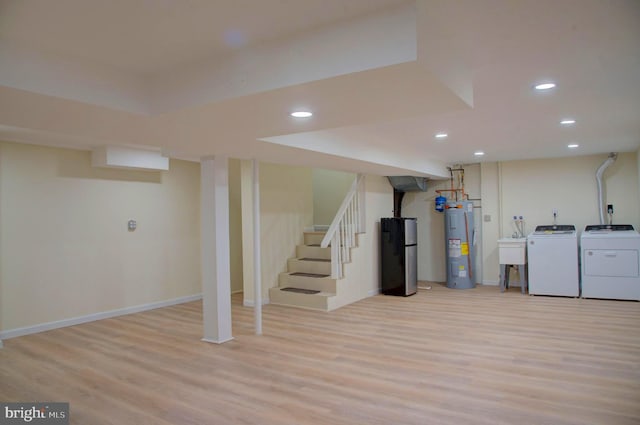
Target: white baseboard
27,330
373,292
490,282
213,341
250,303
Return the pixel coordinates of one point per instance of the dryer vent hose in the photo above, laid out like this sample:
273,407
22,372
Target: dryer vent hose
601,204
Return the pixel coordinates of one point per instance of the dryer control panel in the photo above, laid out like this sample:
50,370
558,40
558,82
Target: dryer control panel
608,228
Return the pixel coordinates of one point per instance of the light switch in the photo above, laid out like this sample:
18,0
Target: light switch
487,218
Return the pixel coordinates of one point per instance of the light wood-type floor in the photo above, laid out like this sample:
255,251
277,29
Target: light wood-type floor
440,357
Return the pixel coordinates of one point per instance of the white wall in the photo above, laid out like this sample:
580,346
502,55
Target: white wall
530,188
533,188
66,250
286,208
329,190
362,274
431,243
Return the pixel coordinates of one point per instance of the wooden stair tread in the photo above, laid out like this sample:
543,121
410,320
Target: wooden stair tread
301,290
315,275
323,260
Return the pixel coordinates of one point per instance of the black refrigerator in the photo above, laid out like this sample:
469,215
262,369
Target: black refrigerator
398,252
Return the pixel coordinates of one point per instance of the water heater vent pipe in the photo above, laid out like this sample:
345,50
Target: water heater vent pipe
601,206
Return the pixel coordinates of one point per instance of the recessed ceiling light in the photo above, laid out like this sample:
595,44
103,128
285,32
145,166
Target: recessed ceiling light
301,114
568,121
573,145
478,153
544,86
441,135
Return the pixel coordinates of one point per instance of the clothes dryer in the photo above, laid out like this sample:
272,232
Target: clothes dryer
610,262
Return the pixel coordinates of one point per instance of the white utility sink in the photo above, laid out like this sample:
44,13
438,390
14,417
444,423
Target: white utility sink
512,250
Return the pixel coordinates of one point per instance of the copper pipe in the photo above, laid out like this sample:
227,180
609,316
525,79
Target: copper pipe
466,229
453,190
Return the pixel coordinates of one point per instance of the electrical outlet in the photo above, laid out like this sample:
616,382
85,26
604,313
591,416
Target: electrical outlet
555,212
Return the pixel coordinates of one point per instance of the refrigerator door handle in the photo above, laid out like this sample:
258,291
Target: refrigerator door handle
411,270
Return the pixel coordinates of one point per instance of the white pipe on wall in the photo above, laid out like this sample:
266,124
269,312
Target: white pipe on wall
500,213
601,206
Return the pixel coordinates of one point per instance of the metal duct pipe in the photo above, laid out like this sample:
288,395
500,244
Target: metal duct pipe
601,207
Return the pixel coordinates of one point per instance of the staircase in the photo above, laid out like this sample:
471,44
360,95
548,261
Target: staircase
314,277
307,283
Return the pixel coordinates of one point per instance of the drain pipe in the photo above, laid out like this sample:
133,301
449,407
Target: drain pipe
601,207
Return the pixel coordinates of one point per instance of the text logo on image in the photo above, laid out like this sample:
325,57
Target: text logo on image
34,413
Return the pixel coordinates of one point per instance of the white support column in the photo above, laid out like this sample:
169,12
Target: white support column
246,179
215,256
257,269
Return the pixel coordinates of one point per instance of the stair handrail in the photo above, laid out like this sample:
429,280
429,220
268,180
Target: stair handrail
349,220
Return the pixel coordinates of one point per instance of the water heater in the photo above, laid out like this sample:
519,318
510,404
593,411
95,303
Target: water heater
459,237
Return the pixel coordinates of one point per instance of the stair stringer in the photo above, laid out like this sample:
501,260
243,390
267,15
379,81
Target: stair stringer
361,275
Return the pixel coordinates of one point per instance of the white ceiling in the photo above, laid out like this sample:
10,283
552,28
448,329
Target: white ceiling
204,77
148,36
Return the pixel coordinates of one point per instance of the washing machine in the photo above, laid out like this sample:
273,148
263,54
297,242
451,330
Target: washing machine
552,254
610,262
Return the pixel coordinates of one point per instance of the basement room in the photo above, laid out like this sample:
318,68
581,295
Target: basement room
347,212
